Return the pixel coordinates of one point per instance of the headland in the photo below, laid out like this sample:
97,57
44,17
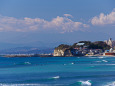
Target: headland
81,48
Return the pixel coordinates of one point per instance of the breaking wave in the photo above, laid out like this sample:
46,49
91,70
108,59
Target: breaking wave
56,77
85,83
104,60
27,63
82,83
110,84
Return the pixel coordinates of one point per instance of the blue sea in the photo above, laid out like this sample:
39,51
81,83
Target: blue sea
57,71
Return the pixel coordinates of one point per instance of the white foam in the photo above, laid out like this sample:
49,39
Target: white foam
27,63
56,77
72,63
86,83
110,84
104,60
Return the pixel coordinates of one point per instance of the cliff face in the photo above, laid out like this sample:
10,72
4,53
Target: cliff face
60,52
63,50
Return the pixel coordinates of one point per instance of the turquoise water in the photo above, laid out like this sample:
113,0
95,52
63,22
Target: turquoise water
57,71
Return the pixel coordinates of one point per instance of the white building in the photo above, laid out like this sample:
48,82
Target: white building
110,42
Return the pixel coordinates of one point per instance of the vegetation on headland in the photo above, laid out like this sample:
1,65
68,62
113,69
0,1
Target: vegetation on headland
87,44
81,48
63,47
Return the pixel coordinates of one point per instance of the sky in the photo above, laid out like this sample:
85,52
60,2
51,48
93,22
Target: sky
48,23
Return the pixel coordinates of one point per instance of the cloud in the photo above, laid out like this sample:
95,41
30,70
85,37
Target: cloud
68,15
103,19
61,24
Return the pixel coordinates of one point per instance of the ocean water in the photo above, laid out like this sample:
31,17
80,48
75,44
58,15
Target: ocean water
57,71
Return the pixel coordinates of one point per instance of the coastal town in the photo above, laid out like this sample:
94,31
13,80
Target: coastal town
81,48
87,48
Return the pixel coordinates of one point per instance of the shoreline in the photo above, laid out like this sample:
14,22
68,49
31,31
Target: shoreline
43,55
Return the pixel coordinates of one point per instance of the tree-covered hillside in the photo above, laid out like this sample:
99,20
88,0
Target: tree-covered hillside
87,44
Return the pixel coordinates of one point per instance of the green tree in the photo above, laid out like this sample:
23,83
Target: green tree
63,46
99,45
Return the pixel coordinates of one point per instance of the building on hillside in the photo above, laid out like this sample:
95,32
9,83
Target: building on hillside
110,42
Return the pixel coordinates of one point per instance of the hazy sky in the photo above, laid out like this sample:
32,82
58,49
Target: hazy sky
52,22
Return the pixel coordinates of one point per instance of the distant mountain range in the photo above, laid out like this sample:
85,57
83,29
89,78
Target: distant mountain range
37,47
27,50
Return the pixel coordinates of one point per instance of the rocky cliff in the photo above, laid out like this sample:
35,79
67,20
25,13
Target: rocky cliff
62,50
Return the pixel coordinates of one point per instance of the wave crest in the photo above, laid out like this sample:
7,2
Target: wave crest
85,83
111,84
